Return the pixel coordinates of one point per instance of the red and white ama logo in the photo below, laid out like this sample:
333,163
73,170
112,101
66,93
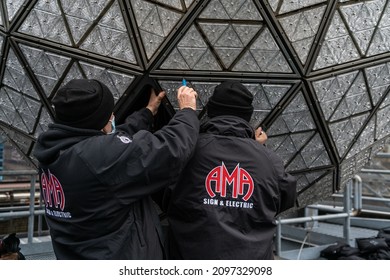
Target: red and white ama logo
240,181
52,191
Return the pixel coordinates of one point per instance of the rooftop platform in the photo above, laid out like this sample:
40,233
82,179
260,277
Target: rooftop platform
40,249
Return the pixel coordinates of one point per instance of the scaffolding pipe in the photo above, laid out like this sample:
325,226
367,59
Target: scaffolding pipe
382,155
378,199
311,219
30,228
347,210
353,184
18,208
31,213
364,198
375,171
278,243
321,207
18,172
358,193
20,214
357,196
281,222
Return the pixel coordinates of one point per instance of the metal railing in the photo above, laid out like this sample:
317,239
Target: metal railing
32,212
353,187
352,207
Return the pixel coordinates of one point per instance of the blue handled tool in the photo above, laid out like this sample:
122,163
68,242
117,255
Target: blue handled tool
184,82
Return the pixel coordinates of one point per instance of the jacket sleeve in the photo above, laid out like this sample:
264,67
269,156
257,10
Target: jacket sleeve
288,193
139,120
150,161
287,185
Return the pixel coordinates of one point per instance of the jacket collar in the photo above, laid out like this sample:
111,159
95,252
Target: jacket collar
228,126
58,138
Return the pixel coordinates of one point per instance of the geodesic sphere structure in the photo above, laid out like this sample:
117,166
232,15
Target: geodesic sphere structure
318,70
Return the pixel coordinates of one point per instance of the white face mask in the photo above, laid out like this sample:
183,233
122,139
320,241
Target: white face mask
113,128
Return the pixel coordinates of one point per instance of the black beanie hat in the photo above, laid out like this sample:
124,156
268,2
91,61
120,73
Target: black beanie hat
231,98
83,103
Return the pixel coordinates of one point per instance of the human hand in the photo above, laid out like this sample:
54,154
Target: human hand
186,97
155,101
261,136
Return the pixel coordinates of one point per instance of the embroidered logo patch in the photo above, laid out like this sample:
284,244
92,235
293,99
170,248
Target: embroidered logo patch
239,181
53,196
124,139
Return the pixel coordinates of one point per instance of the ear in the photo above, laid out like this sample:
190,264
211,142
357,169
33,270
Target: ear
107,128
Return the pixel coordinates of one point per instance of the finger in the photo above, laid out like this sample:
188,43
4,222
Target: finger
191,91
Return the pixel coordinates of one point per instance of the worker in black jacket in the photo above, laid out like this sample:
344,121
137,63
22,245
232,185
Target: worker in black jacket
225,203
96,178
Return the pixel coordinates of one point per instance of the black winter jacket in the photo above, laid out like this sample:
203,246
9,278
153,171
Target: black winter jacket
96,187
226,200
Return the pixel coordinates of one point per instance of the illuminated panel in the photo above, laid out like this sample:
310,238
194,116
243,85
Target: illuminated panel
338,46
13,7
44,14
284,6
47,67
81,15
20,141
301,28
265,96
155,22
228,35
110,37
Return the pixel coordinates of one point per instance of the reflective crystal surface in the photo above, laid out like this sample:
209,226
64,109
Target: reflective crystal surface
319,71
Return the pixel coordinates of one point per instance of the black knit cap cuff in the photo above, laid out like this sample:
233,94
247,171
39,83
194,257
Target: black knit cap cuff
215,109
231,98
83,103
